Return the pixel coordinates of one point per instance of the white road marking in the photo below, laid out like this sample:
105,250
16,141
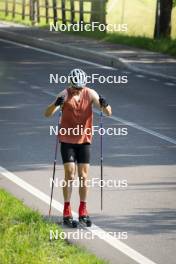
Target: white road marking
127,72
169,84
50,93
11,78
145,71
172,105
58,54
141,128
153,79
99,232
131,124
22,82
35,87
139,75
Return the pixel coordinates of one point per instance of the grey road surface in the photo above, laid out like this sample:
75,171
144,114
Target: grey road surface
145,158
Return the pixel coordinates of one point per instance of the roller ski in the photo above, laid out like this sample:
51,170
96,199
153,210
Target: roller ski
85,221
69,222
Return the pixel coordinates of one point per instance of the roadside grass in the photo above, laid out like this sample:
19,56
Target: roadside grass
24,238
17,19
167,46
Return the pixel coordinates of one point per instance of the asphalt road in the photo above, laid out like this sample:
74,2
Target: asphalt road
145,158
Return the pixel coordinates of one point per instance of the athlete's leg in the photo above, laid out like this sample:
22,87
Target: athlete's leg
68,157
70,169
83,159
83,170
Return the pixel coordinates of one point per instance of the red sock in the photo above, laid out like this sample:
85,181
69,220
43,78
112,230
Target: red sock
82,209
67,210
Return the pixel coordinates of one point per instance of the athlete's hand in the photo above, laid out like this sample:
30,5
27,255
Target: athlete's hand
102,101
59,101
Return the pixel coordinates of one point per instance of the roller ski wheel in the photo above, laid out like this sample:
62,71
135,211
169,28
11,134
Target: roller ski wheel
69,222
85,221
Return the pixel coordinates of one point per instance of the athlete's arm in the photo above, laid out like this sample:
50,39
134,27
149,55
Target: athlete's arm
96,101
54,106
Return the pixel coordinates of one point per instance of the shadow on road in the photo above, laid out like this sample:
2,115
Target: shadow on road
155,221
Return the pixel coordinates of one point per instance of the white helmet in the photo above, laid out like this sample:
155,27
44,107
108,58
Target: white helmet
78,78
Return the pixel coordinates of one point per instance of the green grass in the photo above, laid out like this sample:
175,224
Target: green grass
24,238
17,19
167,46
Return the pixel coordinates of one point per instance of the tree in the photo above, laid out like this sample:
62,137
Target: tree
163,18
98,11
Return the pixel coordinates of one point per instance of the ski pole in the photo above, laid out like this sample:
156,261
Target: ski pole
54,165
101,157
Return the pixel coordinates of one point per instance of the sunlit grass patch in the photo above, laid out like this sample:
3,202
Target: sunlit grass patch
24,238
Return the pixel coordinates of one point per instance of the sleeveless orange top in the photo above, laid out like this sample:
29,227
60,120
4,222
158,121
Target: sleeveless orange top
77,119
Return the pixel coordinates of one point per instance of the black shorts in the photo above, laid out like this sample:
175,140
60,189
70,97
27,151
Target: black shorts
79,153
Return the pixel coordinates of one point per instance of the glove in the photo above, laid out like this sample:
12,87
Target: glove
102,101
59,101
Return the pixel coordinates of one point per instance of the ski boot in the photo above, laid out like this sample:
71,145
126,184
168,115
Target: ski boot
84,219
